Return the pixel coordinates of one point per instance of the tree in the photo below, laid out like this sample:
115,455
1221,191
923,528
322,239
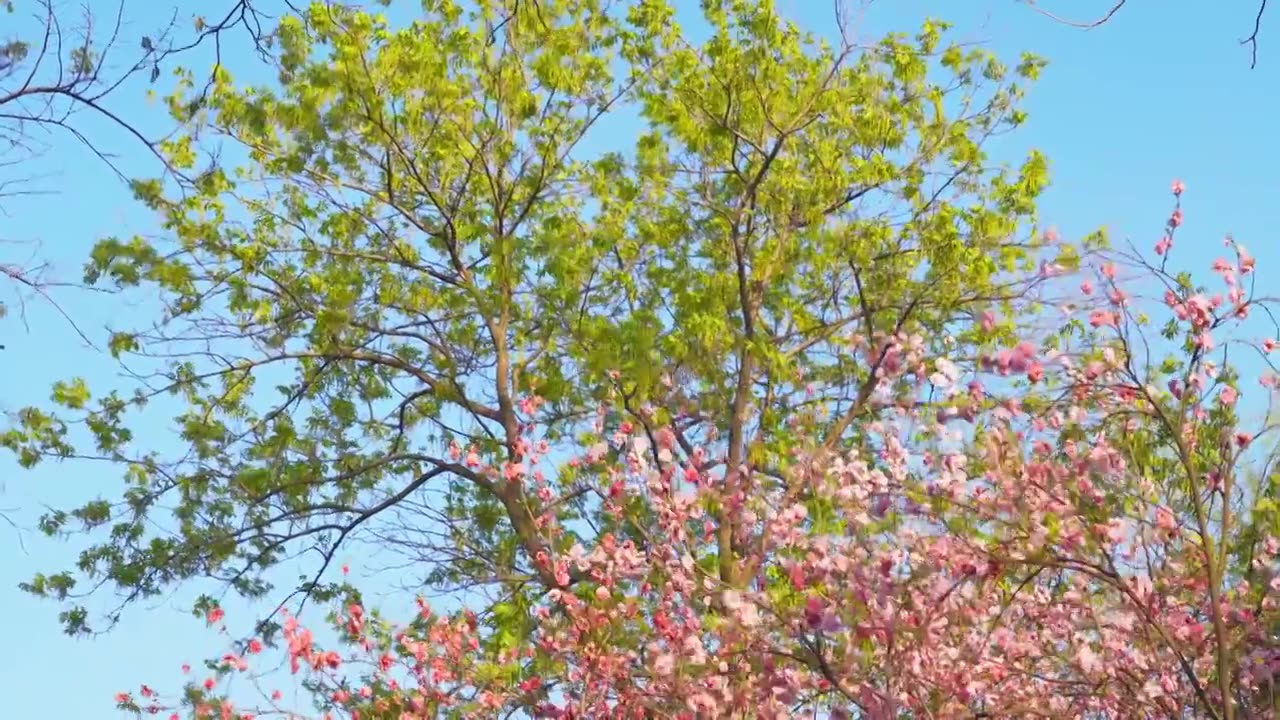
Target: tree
1101,543
418,237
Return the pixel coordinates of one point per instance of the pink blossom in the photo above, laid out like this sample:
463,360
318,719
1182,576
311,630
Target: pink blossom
1228,395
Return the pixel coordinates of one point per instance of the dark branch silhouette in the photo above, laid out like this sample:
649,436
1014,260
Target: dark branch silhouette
1251,41
68,66
1083,24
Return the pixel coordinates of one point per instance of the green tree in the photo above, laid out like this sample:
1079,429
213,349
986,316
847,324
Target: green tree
411,244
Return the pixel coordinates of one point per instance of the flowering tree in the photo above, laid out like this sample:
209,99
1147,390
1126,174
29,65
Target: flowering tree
418,234
1069,529
759,419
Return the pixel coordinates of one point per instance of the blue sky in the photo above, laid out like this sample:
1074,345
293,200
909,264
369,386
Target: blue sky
1163,91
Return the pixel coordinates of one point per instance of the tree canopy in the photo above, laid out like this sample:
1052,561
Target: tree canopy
411,233
713,363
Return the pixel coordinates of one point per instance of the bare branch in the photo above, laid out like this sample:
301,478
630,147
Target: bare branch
58,73
1083,24
1251,41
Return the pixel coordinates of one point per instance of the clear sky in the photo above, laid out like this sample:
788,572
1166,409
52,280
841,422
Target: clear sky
1163,91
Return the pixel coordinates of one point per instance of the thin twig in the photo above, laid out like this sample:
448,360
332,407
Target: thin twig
1085,24
1252,40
